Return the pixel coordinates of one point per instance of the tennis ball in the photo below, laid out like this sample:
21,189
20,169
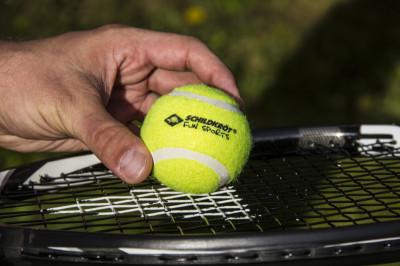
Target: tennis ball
198,137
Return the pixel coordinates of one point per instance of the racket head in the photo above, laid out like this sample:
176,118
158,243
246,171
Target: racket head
283,208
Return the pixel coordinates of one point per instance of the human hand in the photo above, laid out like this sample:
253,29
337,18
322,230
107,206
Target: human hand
82,90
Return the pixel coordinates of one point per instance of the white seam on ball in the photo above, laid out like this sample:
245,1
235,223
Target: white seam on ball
218,103
180,153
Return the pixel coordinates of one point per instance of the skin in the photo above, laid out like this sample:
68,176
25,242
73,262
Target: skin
81,90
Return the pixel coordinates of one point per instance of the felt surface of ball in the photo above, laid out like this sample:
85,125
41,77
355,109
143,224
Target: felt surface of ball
198,137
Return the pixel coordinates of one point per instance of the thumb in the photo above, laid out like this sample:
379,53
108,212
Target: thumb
116,146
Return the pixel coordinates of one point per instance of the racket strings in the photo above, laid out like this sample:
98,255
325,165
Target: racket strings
385,188
109,205
326,189
279,190
333,199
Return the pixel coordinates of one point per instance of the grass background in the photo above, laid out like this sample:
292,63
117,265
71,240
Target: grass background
297,62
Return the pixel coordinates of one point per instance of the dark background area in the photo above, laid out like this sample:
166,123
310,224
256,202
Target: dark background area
297,62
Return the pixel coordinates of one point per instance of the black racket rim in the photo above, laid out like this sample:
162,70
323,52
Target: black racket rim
367,243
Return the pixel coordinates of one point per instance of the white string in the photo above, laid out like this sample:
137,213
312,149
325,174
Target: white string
160,202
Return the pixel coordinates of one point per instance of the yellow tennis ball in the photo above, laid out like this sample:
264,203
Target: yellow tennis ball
198,137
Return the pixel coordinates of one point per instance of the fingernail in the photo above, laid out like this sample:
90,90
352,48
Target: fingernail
131,165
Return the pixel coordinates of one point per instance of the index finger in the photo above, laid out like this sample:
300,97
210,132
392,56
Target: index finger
182,53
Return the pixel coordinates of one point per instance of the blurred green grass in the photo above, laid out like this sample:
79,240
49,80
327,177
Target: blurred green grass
296,62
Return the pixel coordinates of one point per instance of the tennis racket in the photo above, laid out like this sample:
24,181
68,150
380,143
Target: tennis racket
308,195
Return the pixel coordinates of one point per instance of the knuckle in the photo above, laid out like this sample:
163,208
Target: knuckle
104,137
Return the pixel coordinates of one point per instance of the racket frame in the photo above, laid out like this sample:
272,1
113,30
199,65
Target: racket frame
362,244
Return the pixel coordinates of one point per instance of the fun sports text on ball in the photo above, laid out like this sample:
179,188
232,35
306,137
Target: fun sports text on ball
211,126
